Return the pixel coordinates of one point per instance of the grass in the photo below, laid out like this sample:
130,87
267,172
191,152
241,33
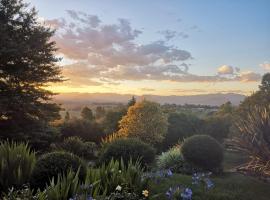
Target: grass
230,186
233,159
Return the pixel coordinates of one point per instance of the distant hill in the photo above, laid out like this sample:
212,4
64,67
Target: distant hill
111,98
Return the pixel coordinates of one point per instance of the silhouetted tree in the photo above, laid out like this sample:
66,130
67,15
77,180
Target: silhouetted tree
67,116
132,101
100,112
87,114
111,120
27,65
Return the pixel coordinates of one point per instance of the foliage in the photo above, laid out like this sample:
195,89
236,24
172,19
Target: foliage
27,65
87,130
131,102
203,151
123,196
146,121
254,140
180,126
116,173
51,164
111,119
217,127
78,147
67,116
171,159
66,186
230,186
260,98
127,149
17,162
100,112
87,114
25,193
225,109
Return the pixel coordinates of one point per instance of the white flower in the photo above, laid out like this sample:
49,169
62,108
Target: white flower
118,188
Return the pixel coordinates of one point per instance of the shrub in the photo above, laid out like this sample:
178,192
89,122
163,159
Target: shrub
180,126
25,193
254,140
85,129
171,159
76,146
116,173
203,151
17,162
65,186
128,149
50,165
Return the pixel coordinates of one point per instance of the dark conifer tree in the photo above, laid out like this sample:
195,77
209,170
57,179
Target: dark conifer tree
27,65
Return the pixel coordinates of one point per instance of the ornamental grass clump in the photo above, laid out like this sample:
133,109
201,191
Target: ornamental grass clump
17,162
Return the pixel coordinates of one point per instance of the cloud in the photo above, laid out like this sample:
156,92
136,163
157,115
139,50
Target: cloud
225,69
265,65
109,53
248,76
170,34
147,89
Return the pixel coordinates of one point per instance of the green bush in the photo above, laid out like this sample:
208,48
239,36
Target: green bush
116,173
76,146
128,149
17,162
24,193
50,165
99,182
203,151
171,159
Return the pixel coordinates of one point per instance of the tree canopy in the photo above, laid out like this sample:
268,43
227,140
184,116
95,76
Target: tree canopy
87,114
146,121
27,65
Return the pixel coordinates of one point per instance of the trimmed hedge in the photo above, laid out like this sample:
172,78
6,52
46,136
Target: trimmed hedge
203,152
51,164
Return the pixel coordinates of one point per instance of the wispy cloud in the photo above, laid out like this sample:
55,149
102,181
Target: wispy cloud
109,53
265,65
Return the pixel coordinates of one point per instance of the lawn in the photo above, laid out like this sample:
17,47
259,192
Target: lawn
229,186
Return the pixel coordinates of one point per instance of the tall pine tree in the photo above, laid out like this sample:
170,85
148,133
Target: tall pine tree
27,65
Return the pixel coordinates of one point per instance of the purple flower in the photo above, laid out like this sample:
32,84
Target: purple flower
186,194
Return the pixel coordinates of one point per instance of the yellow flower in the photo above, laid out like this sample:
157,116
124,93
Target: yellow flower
145,193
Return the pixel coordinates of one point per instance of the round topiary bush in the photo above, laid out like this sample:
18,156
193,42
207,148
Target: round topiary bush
203,152
51,164
128,149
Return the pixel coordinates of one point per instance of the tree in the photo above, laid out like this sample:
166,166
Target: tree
67,116
146,121
217,127
265,84
27,66
87,114
261,98
132,101
100,112
226,109
181,126
111,120
85,129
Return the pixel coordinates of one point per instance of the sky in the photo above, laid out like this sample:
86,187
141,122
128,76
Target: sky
173,47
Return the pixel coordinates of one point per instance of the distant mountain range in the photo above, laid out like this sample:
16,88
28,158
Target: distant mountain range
203,99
